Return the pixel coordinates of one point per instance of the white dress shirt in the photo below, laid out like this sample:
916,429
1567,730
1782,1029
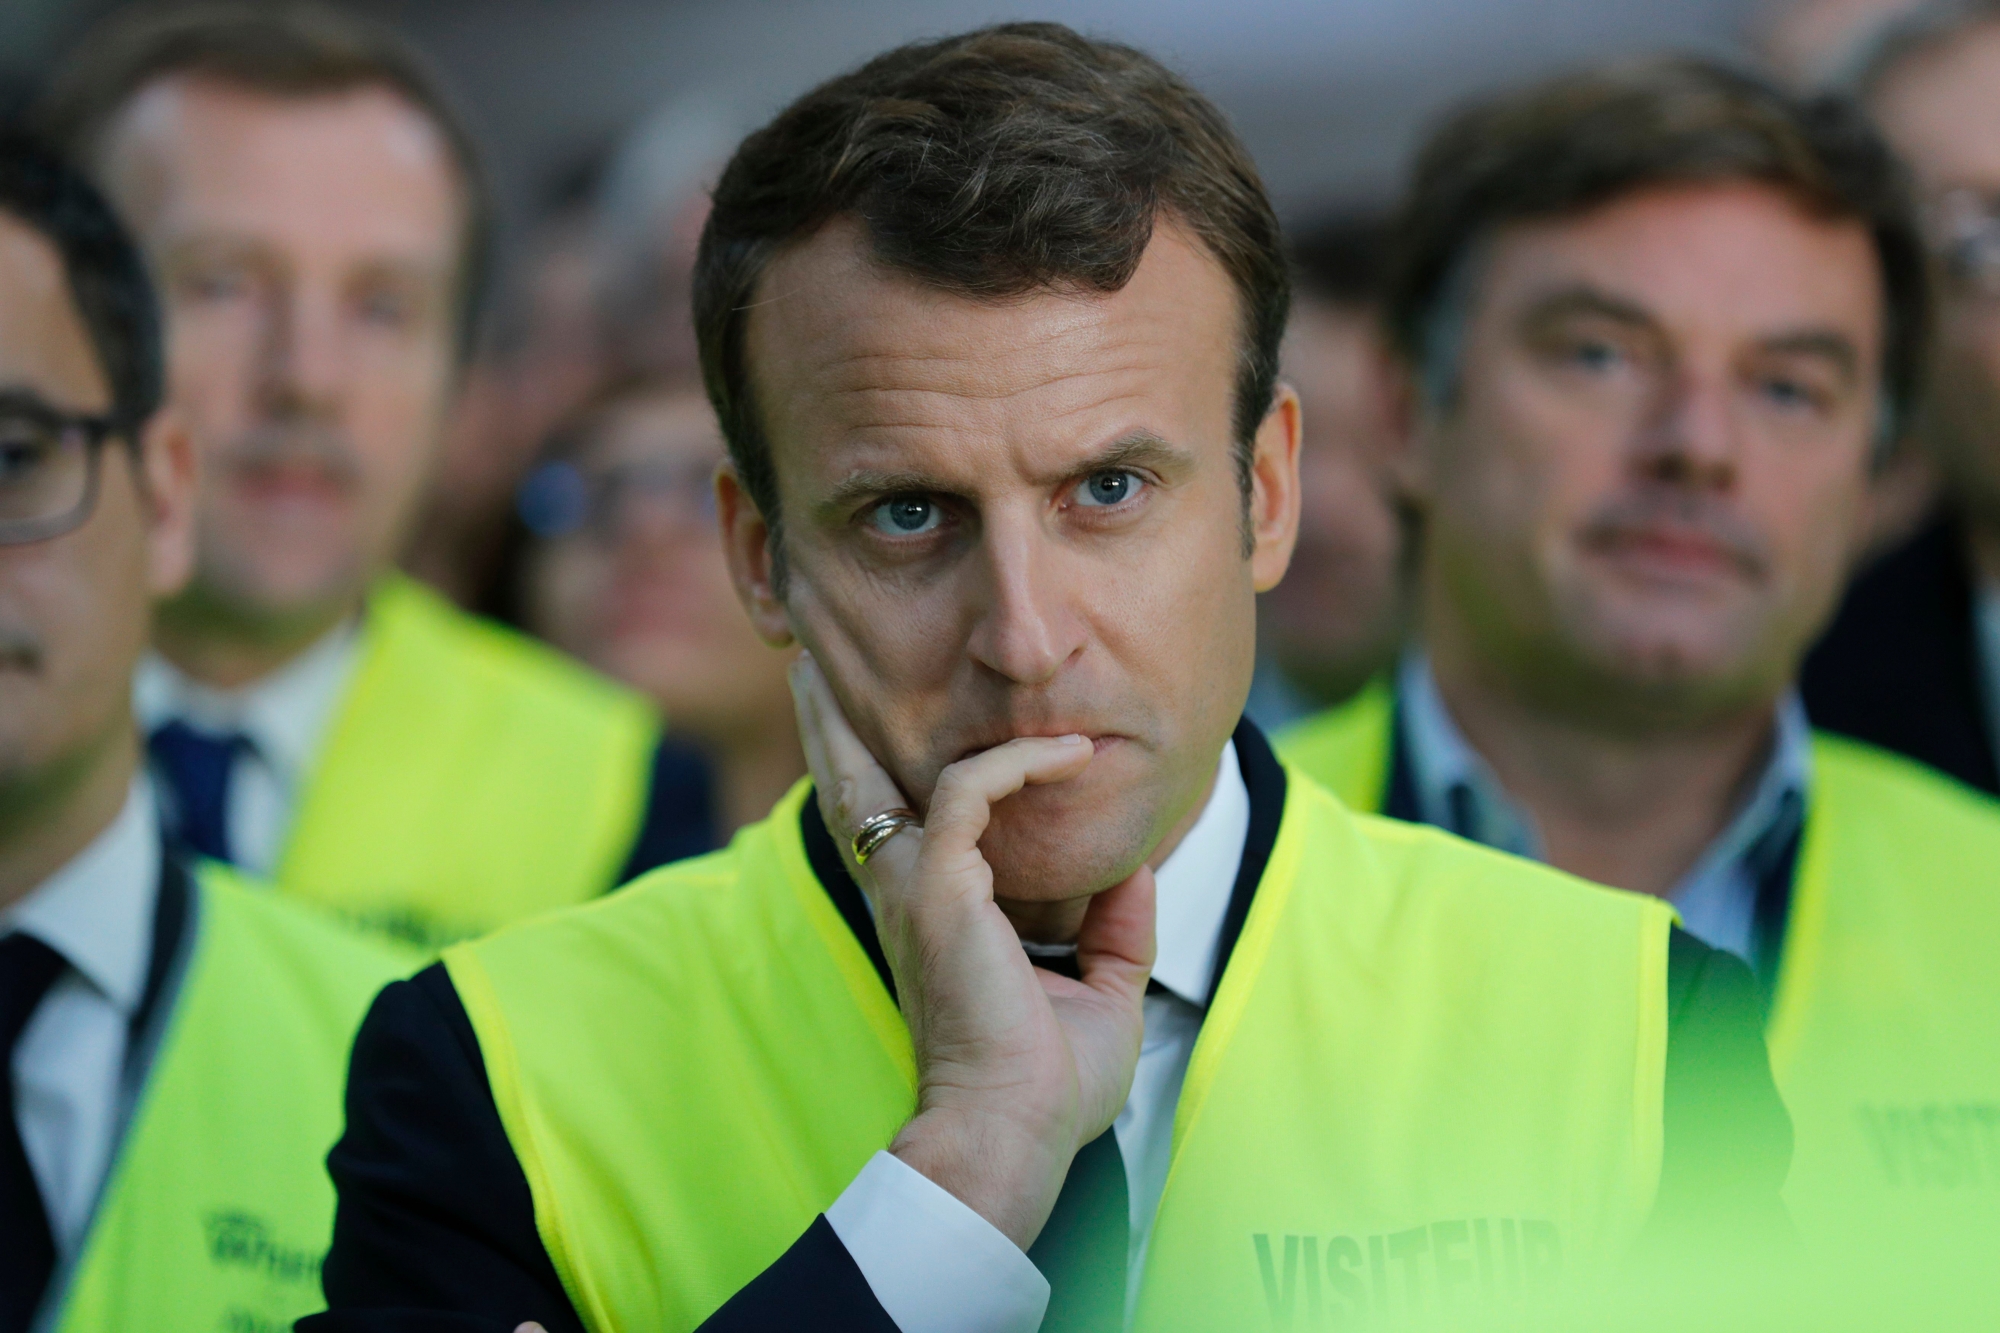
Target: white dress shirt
934,1264
284,718
97,912
1717,898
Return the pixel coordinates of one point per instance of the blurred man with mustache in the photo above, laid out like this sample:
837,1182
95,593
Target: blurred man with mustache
315,214
1129,1022
1662,322
171,1039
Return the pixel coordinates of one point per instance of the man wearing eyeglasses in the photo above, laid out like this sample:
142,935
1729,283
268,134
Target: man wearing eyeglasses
1913,661
616,561
314,212
171,1043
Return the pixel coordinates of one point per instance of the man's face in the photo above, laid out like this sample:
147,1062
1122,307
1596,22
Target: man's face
1020,518
75,609
1941,109
1640,503
307,251
641,590
1336,618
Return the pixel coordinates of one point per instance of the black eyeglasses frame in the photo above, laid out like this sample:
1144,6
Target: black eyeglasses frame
97,430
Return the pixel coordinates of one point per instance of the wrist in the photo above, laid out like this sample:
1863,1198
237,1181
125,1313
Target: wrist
1007,1172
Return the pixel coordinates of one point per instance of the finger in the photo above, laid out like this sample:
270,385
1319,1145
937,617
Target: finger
1115,945
851,783
531,1328
962,803
811,731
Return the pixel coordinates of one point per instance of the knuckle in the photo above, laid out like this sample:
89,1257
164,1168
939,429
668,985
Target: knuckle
845,798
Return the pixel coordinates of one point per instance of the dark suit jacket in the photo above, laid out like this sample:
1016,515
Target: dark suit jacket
435,1231
1899,667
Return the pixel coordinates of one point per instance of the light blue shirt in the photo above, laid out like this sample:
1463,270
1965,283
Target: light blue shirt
1717,898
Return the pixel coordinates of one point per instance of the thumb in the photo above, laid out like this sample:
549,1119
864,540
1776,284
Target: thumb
1114,946
531,1328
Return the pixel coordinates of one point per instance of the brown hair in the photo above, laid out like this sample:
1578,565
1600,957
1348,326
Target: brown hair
992,164
285,48
1573,143
1341,258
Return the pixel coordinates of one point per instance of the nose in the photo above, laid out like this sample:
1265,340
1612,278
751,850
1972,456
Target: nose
1027,628
303,362
1690,439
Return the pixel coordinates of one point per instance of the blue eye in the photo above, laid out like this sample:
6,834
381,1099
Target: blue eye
905,516
1102,489
1595,355
1787,393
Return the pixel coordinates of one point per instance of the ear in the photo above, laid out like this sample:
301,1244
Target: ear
1274,489
746,545
168,472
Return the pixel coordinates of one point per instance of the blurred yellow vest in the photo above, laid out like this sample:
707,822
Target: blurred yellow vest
470,776
218,1209
1885,1020
1430,1073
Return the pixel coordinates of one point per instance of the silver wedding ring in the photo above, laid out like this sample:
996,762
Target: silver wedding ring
878,829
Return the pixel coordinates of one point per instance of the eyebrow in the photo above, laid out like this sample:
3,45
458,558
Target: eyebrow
26,398
1827,344
1583,299
1138,448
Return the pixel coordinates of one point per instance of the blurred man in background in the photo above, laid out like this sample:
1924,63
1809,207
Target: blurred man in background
315,215
621,566
1663,319
1337,619
171,1044
1913,661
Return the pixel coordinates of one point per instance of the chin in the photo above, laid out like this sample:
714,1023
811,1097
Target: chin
279,589
1055,843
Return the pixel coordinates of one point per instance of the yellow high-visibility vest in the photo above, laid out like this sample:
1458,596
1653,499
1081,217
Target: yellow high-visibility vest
1430,1067
218,1210
1885,1018
470,777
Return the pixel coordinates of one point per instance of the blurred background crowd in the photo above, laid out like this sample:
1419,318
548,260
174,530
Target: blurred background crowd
569,495
552,466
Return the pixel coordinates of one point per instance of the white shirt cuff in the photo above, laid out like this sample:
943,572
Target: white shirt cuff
934,1264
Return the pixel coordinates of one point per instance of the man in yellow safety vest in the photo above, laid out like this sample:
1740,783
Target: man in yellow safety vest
1053,1000
315,215
1654,363
171,1041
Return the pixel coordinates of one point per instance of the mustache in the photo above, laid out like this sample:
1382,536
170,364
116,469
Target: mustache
1689,517
296,444
19,650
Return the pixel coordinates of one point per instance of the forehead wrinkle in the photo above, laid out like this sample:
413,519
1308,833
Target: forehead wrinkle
858,374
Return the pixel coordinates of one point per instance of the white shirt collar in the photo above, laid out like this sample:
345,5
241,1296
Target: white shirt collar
283,716
97,911
1194,884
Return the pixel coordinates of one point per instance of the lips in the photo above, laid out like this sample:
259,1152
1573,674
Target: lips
1674,551
289,483
1100,741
